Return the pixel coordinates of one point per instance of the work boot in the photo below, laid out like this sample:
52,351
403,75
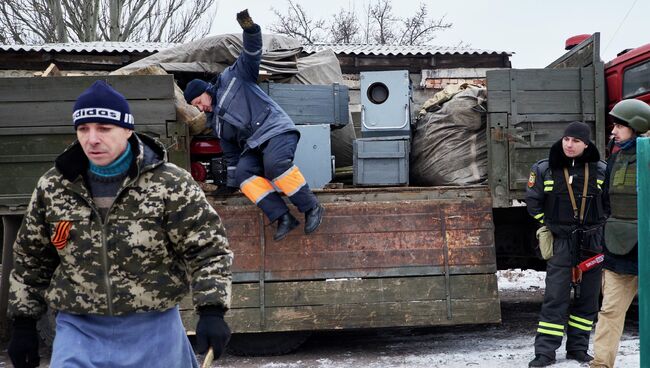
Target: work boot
541,361
286,223
313,218
579,355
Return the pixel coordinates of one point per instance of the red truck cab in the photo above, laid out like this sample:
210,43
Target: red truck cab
628,76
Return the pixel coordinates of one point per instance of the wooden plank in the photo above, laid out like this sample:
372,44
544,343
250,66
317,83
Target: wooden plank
27,144
552,118
369,194
51,71
47,158
4,131
584,54
15,186
572,79
366,272
356,291
155,130
150,87
57,113
69,88
368,238
375,315
497,80
367,303
543,102
402,271
350,260
498,157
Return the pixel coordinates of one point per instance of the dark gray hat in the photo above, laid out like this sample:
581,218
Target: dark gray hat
578,130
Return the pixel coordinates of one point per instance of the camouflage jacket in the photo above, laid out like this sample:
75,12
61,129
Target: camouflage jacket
159,234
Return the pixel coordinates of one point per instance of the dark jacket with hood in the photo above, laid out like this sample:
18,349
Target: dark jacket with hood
159,233
548,200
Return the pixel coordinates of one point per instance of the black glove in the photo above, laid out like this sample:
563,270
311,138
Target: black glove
211,330
245,21
23,346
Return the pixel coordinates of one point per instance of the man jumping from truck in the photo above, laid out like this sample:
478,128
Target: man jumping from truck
257,137
111,238
565,194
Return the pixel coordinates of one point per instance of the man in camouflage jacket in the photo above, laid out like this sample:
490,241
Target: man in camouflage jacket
102,251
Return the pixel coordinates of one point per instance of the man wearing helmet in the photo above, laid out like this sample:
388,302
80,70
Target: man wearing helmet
620,270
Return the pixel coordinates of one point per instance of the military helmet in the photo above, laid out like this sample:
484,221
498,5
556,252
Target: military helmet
632,113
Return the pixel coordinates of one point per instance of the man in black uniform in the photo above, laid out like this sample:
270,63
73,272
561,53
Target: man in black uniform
564,193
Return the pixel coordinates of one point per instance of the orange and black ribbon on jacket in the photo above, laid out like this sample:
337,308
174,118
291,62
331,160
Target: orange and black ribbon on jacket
61,234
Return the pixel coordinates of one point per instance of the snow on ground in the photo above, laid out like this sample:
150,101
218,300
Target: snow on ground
448,350
509,345
517,279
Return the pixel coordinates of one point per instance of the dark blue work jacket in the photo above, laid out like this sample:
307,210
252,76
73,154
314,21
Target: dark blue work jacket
244,117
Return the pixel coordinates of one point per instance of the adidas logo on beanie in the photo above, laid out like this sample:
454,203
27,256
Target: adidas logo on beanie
100,103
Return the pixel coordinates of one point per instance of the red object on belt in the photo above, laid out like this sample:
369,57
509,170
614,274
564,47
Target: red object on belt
592,262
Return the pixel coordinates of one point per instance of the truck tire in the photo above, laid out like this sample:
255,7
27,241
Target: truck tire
266,343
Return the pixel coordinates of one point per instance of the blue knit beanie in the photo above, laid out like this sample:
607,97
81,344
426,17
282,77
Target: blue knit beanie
194,89
100,103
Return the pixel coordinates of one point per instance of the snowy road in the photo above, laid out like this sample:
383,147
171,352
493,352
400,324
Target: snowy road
507,345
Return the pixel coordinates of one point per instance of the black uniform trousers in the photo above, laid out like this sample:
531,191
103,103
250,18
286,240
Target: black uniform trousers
559,313
264,170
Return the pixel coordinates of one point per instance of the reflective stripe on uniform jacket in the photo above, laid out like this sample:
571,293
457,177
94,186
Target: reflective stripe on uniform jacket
549,187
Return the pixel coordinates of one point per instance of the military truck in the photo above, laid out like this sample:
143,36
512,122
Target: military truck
383,257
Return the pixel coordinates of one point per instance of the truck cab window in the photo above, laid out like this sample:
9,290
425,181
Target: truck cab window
636,80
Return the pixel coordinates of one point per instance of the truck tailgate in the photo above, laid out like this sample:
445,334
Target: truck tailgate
382,257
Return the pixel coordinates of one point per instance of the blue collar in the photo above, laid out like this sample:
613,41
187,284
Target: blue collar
115,168
626,145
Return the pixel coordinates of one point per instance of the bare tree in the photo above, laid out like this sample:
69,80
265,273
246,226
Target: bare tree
382,14
42,21
420,29
368,26
345,27
26,20
57,17
297,24
379,25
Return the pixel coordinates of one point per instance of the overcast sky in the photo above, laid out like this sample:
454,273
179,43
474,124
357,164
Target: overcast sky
534,30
